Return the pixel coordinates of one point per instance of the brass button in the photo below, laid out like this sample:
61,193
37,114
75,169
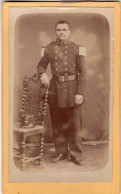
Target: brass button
65,73
55,63
65,51
65,46
55,57
56,69
65,57
66,69
55,51
65,63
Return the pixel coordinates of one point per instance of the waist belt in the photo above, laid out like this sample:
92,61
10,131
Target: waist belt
66,78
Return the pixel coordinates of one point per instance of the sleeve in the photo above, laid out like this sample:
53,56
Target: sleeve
81,70
43,63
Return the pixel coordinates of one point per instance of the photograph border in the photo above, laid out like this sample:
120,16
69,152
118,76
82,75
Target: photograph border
57,188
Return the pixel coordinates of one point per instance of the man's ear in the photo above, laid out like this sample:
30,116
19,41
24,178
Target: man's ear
70,32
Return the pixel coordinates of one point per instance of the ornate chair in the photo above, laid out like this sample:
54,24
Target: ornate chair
31,118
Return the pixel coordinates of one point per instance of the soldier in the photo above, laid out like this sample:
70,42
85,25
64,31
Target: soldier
66,92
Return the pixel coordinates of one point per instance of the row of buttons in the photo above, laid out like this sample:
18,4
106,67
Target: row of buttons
65,69
64,63
57,51
64,74
64,57
65,46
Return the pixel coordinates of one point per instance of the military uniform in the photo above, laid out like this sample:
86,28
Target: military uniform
68,79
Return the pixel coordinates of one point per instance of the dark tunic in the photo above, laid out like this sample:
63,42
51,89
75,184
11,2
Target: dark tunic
65,59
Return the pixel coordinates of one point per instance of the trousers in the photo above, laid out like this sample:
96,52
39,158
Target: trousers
67,126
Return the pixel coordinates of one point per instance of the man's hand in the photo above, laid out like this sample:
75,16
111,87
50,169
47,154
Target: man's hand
45,80
79,99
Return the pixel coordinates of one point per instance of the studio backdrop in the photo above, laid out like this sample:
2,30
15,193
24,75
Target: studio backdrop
33,31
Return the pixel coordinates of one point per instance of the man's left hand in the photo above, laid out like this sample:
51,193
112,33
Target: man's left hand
79,99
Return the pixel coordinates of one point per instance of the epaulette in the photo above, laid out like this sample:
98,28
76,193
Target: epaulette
43,49
82,50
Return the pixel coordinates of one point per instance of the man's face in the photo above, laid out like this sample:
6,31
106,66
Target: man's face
62,31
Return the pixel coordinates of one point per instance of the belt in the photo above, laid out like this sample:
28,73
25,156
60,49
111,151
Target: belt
66,78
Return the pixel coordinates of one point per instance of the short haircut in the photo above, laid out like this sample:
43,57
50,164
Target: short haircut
62,22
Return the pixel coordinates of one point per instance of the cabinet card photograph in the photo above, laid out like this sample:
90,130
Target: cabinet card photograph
61,65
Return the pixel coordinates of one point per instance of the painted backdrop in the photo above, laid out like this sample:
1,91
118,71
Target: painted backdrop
33,31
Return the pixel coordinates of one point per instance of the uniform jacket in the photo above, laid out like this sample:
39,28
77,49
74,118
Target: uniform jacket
65,58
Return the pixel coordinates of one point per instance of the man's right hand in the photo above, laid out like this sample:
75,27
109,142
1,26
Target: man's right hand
45,80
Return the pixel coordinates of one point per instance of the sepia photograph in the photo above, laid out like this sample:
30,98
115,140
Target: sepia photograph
61,86
61,94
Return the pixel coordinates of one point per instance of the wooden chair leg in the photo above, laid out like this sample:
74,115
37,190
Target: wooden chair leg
41,147
22,153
